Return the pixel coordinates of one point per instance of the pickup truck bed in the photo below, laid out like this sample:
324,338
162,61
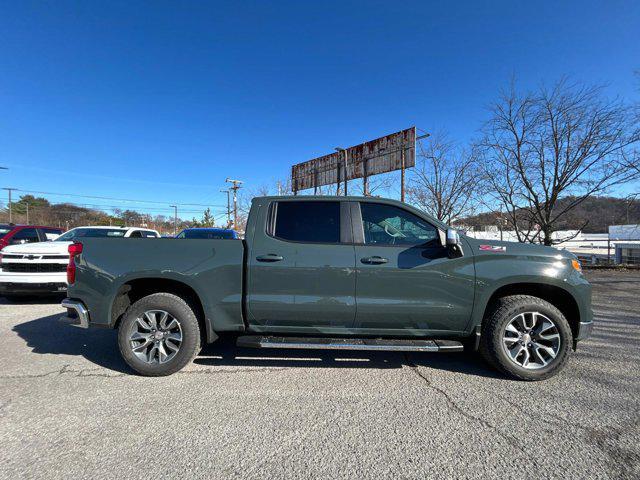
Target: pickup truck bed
213,269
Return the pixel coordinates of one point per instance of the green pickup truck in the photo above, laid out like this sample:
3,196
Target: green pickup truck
334,273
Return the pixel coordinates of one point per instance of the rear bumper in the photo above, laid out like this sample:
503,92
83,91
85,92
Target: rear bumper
76,312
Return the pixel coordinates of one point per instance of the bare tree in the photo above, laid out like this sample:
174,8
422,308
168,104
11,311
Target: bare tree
444,182
567,140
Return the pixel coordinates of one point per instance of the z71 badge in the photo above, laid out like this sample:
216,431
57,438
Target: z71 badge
492,248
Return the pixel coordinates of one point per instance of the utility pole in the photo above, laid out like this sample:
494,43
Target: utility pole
10,190
175,219
236,186
228,207
27,204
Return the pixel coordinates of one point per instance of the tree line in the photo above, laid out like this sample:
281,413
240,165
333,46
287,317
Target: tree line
39,211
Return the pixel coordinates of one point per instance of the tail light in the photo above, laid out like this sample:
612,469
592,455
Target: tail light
74,250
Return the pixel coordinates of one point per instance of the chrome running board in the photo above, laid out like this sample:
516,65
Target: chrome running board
379,344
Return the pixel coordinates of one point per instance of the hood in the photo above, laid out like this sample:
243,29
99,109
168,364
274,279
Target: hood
496,247
39,248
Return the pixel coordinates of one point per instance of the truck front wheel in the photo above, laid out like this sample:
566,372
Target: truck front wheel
159,334
526,337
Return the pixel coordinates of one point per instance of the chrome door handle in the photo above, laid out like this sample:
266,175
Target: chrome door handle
375,260
270,257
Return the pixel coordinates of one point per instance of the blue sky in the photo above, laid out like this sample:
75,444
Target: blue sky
162,100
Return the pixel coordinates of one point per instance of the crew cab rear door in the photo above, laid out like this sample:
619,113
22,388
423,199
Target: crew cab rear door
406,282
302,268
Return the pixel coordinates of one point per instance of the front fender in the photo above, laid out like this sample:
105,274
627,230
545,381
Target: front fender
497,271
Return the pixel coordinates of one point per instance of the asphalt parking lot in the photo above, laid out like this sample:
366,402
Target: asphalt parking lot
71,409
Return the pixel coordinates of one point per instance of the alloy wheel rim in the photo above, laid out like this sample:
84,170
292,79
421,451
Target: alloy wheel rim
531,340
155,337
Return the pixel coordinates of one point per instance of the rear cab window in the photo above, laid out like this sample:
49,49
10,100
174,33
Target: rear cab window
91,233
48,234
307,221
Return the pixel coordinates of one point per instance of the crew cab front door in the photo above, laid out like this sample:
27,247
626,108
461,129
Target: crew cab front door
302,268
406,283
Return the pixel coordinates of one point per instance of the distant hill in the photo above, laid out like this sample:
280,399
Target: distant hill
597,212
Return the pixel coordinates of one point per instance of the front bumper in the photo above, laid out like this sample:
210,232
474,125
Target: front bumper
19,288
29,283
76,312
584,330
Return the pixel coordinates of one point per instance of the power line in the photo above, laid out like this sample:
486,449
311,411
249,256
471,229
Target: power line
114,198
111,208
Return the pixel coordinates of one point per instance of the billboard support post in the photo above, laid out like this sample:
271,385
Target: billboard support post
345,173
402,175
315,182
365,181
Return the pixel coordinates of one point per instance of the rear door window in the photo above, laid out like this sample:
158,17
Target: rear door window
26,235
310,222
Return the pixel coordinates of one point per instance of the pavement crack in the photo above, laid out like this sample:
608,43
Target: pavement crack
229,372
64,369
513,441
101,372
620,461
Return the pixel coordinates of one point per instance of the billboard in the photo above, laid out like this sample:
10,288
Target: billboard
382,155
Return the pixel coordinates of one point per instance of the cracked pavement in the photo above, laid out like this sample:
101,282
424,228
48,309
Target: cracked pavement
69,408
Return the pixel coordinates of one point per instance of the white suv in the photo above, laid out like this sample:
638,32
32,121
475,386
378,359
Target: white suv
41,267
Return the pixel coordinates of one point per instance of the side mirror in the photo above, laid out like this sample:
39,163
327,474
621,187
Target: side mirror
453,243
453,239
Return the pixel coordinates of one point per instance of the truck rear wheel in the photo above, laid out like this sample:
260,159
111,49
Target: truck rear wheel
526,337
159,334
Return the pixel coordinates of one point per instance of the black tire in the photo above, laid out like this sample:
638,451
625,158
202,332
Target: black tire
493,328
190,330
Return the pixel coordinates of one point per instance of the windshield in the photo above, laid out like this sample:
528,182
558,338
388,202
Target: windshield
208,234
4,229
90,232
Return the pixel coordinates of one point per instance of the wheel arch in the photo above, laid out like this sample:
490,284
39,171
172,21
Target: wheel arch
559,297
136,288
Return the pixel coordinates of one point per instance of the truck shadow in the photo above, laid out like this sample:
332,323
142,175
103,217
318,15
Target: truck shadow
52,336
225,353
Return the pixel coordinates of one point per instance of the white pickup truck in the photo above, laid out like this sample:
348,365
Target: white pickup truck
40,268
